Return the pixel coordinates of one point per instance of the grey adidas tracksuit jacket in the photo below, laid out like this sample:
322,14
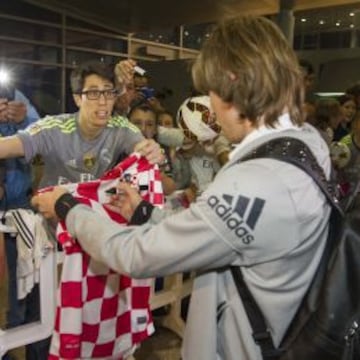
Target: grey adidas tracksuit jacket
264,215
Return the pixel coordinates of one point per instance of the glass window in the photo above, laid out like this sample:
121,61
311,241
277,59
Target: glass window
297,42
41,84
70,105
85,25
74,58
328,40
24,51
76,38
22,8
310,41
335,40
170,37
47,89
345,39
23,30
194,35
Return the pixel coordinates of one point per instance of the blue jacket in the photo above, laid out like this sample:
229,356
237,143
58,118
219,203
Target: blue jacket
18,178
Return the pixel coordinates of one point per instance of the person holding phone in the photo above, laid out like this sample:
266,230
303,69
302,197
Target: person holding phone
16,113
17,110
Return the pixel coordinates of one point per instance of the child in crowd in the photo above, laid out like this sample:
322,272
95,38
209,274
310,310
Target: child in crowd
165,119
328,115
197,159
144,117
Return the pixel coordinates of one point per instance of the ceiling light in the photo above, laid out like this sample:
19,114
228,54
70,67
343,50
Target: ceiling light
352,14
337,23
321,22
303,20
352,26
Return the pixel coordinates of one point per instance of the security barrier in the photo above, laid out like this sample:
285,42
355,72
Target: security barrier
176,287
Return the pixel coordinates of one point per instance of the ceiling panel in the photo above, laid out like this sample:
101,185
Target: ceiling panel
140,15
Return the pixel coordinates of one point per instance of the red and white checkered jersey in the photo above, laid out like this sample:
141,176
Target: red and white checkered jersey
102,314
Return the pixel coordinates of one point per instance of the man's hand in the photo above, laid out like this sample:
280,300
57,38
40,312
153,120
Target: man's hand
45,202
124,71
151,150
125,201
16,111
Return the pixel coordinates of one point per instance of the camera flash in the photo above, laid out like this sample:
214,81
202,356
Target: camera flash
139,70
4,77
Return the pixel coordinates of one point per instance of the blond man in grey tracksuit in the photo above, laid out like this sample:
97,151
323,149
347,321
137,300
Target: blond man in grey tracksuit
266,216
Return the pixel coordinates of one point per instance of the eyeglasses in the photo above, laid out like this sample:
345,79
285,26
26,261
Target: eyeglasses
109,94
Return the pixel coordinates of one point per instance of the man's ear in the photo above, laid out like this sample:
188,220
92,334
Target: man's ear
77,99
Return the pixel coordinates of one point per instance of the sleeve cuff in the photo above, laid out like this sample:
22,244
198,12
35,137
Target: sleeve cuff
64,204
142,213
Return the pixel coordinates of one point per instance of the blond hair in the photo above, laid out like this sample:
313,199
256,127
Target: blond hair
247,61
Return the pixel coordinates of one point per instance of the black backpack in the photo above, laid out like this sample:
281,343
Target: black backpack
327,323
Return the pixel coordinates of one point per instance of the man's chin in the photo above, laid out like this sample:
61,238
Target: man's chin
102,121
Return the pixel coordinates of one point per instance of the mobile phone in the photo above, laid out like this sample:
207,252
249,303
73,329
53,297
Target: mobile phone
139,70
7,92
147,92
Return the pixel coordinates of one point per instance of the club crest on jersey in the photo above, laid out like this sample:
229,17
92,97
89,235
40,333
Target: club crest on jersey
89,161
240,214
34,129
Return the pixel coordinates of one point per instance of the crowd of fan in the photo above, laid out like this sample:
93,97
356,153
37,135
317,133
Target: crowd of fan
338,121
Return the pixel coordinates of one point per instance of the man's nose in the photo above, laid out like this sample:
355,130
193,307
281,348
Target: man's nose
143,128
102,98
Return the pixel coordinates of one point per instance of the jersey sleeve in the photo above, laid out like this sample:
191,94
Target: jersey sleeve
172,137
133,136
128,136
38,137
253,216
233,221
178,243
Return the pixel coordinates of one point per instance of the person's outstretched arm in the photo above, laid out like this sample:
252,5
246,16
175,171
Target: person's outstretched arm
10,147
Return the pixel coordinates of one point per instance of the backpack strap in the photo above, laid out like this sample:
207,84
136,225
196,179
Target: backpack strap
294,151
297,153
261,334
